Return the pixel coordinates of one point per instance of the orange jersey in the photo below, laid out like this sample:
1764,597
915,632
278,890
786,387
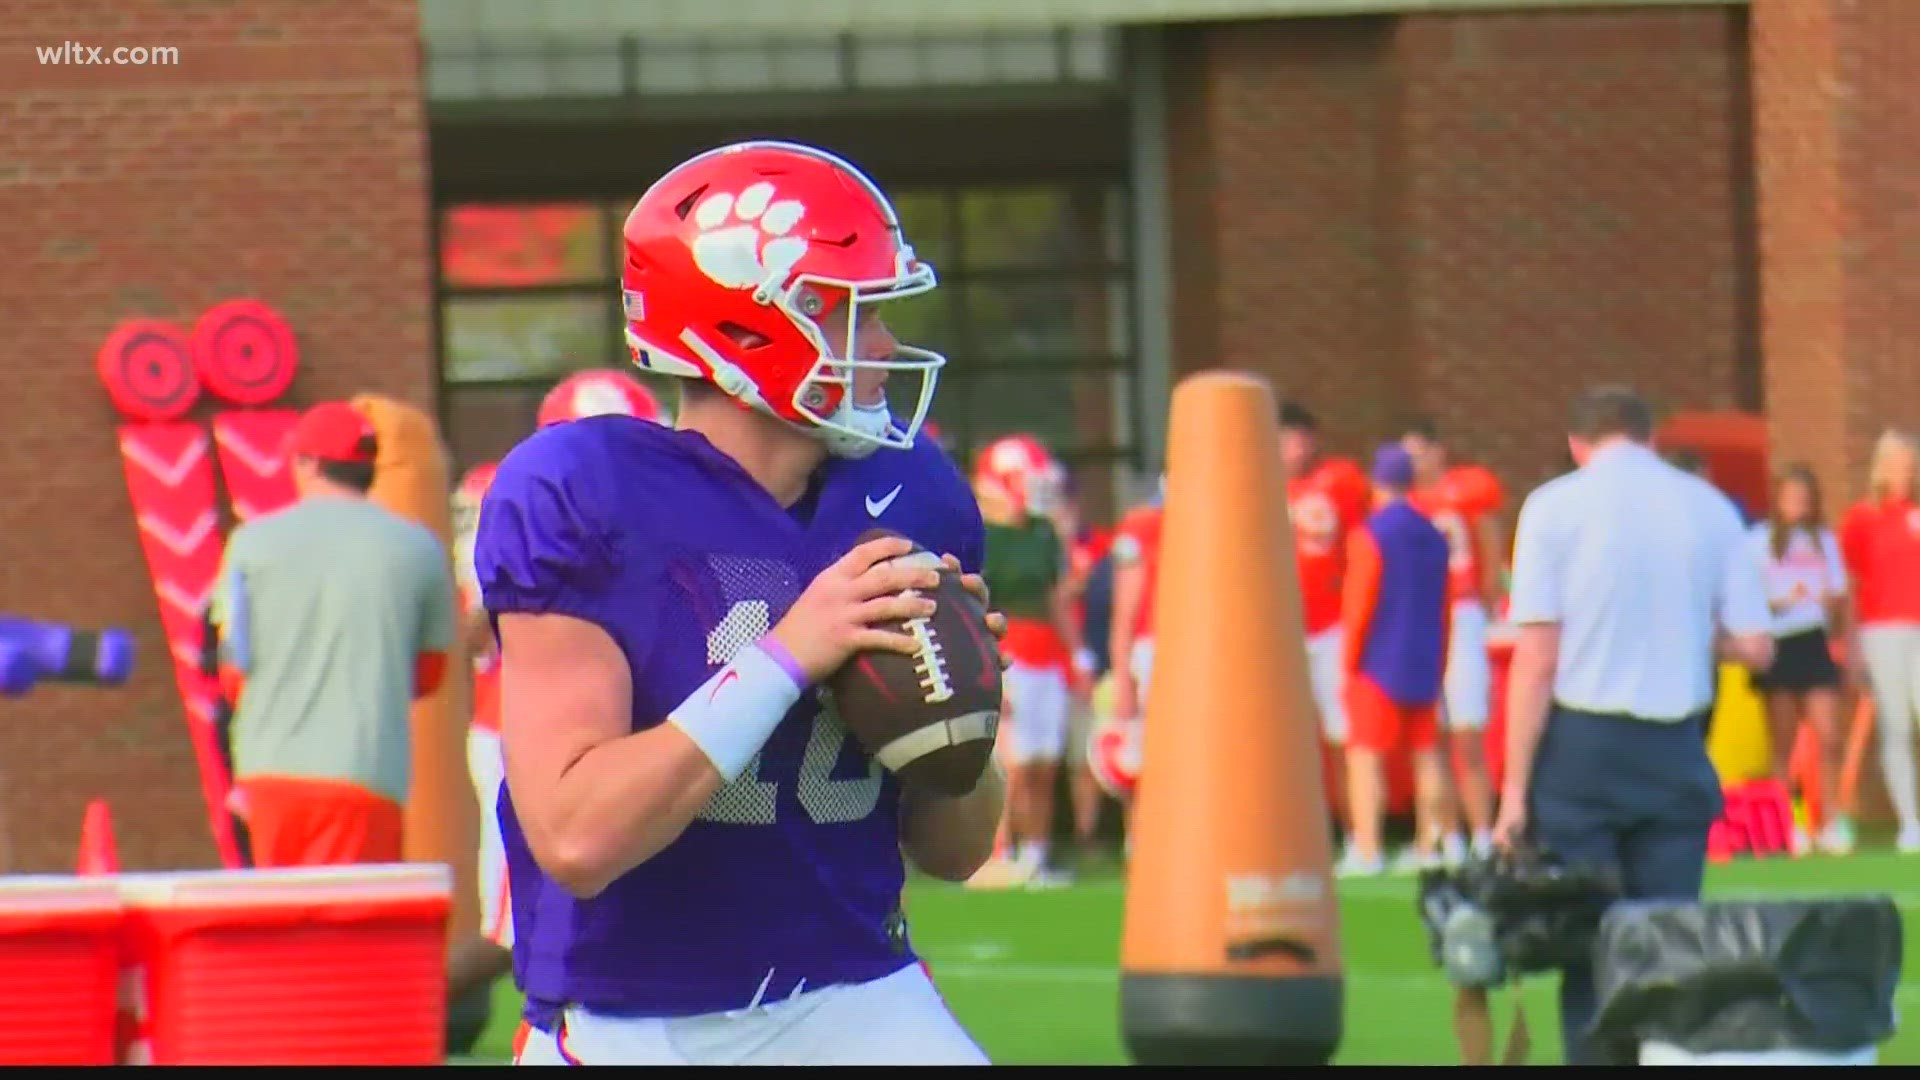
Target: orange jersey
1087,549
1457,505
1326,503
1880,543
1137,540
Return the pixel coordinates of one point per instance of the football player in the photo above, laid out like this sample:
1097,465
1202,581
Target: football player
1090,587
1327,498
1115,755
704,867
1464,502
599,392
477,964
1017,483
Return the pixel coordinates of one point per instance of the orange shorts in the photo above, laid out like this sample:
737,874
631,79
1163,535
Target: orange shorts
294,822
1378,723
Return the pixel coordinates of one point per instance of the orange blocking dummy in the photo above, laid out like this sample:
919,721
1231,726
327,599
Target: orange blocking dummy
1230,953
411,477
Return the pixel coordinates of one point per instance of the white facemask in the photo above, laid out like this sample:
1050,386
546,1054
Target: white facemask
869,425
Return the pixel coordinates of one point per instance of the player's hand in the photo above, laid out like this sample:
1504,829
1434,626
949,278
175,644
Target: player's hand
977,586
844,609
477,629
1510,825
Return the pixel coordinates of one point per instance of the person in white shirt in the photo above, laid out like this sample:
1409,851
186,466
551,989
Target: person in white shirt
1627,579
1806,589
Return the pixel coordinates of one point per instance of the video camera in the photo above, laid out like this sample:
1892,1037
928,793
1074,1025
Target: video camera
1501,917
33,652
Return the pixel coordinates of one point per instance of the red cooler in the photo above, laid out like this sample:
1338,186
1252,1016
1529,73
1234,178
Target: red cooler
337,965
59,970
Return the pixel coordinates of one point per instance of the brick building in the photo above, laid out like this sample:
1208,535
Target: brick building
1467,212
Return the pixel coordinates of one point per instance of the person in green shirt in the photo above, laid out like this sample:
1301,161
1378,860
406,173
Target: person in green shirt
1026,570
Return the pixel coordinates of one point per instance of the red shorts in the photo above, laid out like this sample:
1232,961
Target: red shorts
296,822
1378,723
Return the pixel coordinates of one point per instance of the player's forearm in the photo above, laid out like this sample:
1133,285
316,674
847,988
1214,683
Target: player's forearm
1753,651
638,793
1062,611
619,805
1529,696
1492,543
952,838
1127,591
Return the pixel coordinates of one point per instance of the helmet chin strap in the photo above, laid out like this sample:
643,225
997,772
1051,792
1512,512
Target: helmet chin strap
870,424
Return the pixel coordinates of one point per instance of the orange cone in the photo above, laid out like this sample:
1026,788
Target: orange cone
98,853
1231,952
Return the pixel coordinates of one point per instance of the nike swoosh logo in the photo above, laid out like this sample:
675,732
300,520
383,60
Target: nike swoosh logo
732,674
877,507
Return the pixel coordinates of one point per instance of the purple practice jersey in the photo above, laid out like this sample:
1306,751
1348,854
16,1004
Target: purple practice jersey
790,878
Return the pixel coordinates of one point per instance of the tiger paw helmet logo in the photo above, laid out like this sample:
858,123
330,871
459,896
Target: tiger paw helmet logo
743,238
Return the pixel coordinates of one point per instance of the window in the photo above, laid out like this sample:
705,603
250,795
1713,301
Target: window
502,338
1034,313
1022,226
520,246
528,295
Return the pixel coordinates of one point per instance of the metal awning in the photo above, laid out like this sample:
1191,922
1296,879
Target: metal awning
466,21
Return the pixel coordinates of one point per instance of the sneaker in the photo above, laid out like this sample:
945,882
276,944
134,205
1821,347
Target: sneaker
1046,878
1411,860
999,874
1909,839
1352,865
1800,843
1837,837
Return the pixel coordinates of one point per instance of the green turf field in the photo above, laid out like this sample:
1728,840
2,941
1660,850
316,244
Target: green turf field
1033,974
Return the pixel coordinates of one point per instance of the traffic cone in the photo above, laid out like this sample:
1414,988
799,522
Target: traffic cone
98,854
1230,953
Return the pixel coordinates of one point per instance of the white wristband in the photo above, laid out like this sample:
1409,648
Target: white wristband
733,713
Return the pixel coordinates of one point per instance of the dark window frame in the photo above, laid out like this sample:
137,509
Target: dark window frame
974,427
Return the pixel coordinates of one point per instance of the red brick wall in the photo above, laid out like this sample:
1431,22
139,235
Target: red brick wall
284,159
1470,215
1838,134
1284,246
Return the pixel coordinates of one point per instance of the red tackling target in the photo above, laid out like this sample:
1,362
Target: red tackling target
147,367
245,352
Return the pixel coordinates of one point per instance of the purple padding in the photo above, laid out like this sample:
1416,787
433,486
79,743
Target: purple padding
46,643
114,661
61,654
17,670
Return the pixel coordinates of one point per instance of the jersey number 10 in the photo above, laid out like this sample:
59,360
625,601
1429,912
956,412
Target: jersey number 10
752,798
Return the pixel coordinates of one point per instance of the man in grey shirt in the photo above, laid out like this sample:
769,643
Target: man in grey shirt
1627,581
334,615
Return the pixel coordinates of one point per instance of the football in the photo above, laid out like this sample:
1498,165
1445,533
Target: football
931,717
